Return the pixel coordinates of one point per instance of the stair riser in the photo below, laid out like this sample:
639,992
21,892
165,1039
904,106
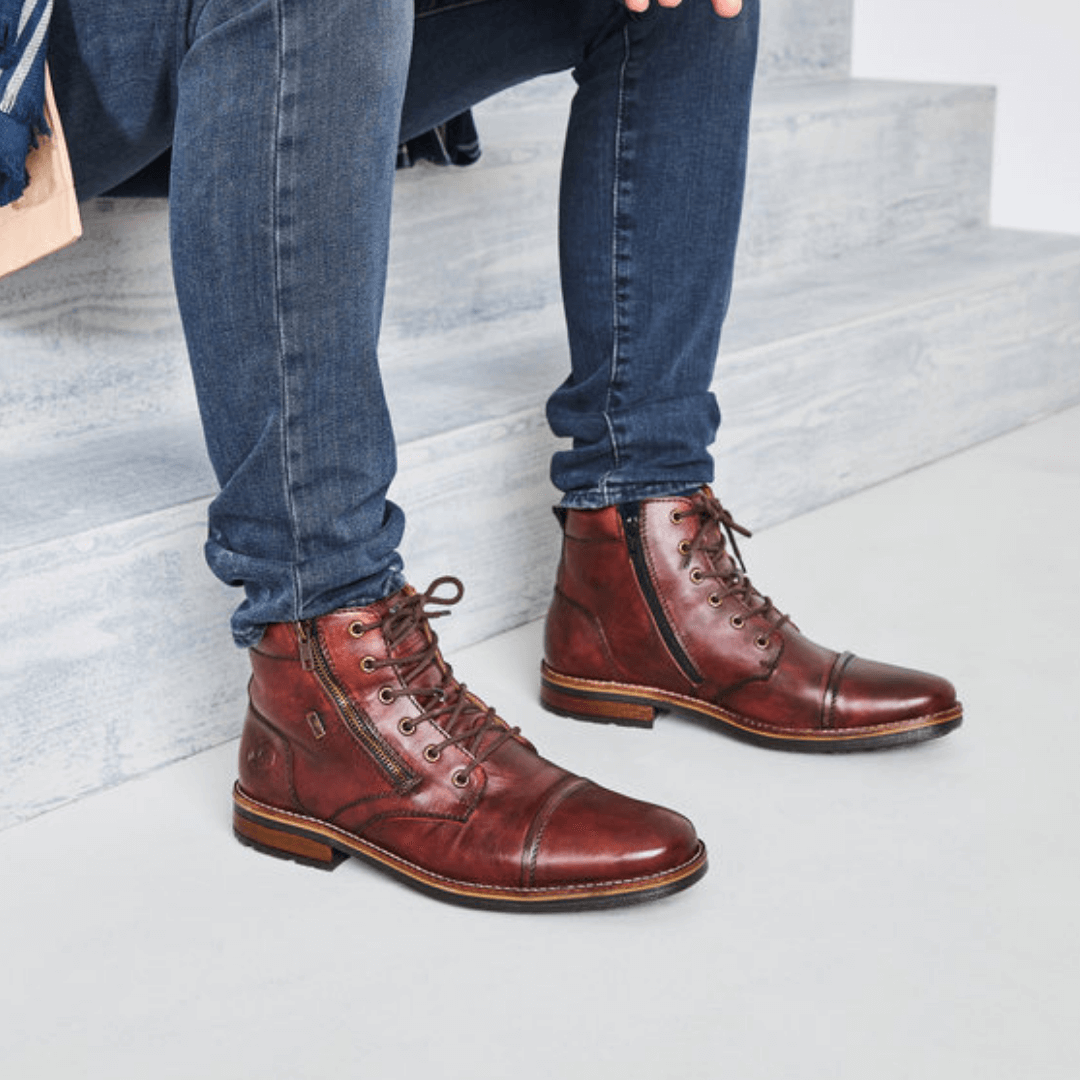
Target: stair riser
832,182
804,41
91,339
118,657
815,418
832,172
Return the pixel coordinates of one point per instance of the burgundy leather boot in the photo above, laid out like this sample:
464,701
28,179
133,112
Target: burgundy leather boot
653,611
360,741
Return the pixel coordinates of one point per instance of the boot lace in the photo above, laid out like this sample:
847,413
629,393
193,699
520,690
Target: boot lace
444,700
716,530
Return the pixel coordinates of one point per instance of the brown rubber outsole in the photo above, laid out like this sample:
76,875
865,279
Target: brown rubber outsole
637,706
320,844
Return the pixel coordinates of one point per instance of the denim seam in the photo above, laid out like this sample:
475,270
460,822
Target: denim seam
616,320
279,314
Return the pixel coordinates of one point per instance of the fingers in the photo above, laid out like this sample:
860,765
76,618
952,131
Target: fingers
726,9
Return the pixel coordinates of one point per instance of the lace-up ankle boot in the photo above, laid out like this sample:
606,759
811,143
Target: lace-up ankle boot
653,611
360,741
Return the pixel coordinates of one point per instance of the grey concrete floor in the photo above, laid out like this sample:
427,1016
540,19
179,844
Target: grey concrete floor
893,915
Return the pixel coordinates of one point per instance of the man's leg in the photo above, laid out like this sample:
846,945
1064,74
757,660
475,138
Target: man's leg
283,118
652,194
653,609
358,740
283,160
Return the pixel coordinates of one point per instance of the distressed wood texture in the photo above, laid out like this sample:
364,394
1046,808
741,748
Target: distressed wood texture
118,656
836,168
90,338
803,41
877,324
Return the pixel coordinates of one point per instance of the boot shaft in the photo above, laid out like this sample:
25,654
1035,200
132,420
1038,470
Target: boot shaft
638,598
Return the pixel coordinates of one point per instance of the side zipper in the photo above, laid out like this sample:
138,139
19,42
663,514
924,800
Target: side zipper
313,659
631,521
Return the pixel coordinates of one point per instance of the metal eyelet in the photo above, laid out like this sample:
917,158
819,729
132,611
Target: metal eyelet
386,695
432,753
460,778
357,629
367,664
738,621
761,641
684,547
676,517
715,599
406,726
696,576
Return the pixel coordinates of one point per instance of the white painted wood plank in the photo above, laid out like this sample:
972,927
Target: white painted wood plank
803,41
91,339
118,656
837,168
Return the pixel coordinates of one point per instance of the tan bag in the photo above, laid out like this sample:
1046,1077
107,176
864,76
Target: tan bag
46,217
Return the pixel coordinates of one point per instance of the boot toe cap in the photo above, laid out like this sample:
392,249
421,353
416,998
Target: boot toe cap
595,836
872,695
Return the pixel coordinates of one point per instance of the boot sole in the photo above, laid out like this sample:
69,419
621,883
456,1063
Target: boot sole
319,844
637,706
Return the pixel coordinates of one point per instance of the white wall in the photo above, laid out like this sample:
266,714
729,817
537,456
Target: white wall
1030,51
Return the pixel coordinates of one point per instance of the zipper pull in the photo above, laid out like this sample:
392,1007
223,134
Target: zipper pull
307,651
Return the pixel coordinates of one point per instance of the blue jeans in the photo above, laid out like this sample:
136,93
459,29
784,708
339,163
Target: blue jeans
284,116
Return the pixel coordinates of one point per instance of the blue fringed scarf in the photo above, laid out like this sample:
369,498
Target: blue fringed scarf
24,26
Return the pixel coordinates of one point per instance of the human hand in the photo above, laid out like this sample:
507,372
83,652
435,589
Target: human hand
726,9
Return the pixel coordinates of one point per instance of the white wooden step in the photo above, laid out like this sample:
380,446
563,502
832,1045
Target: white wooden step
117,656
804,41
91,340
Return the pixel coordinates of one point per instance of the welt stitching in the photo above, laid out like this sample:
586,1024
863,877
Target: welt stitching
479,885
697,705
